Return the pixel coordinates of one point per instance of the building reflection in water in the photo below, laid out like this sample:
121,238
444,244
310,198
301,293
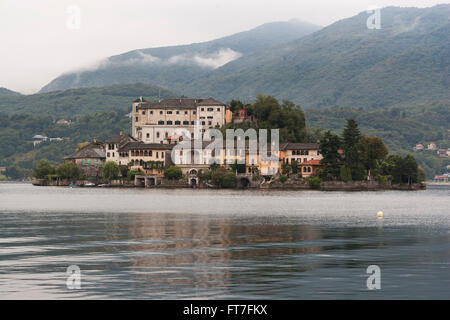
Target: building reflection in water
206,251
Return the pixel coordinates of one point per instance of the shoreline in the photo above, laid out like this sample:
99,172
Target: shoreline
276,186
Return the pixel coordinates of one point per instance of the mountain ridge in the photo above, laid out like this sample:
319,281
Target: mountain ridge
165,65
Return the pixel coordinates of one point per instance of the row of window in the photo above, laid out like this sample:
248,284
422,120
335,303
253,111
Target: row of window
298,160
178,112
146,153
300,152
138,153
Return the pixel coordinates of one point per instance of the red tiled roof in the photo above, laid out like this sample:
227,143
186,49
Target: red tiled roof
311,163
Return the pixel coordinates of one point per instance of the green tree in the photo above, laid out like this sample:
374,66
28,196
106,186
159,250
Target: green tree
283,178
224,178
410,169
173,173
329,148
111,170
345,174
372,152
204,175
42,169
350,143
286,169
294,166
69,171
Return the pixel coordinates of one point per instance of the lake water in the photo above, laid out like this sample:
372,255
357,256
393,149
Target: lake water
209,244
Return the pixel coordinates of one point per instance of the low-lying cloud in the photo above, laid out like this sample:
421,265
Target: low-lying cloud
212,60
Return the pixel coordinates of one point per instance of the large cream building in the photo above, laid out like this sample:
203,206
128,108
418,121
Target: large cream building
163,121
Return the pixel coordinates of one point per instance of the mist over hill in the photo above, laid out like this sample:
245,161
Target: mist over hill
175,66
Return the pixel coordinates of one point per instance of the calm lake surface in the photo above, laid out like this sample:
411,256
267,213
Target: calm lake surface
209,244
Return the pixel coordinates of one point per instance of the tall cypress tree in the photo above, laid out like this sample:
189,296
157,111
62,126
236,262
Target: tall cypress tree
350,140
329,148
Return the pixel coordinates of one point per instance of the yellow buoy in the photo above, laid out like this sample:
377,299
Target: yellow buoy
380,214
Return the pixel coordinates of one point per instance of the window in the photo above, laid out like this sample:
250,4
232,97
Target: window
218,109
192,122
185,122
210,109
305,159
203,109
167,134
151,112
169,122
161,112
137,119
177,122
162,154
194,112
148,135
178,112
157,154
210,117
109,155
143,113
209,123
185,112
157,134
160,122
169,112
203,123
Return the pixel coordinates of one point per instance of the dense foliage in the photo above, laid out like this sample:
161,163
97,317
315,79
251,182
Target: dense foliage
400,128
173,173
268,113
71,103
111,170
18,154
355,157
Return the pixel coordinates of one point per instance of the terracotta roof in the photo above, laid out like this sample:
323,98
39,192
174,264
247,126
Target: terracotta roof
94,150
180,103
298,146
311,163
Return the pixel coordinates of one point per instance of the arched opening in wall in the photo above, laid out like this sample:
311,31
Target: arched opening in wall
193,172
244,183
193,182
151,181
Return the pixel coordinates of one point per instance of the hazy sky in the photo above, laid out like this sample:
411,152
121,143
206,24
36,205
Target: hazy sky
40,39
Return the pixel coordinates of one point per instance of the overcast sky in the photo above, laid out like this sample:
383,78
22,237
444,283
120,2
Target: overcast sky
40,40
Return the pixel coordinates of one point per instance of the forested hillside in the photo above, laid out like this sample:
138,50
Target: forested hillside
175,66
74,102
347,64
